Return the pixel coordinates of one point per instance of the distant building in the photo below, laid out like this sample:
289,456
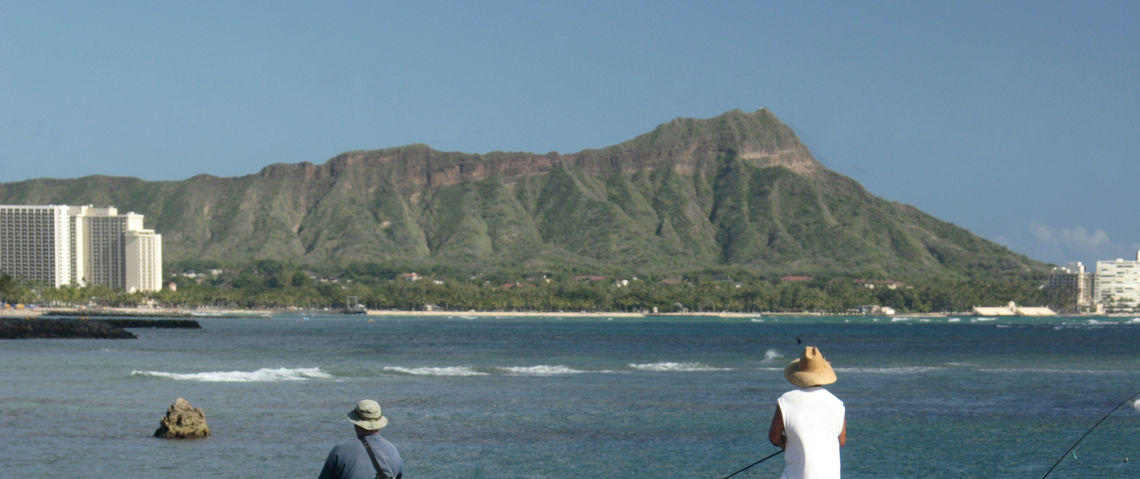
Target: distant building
143,265
876,309
36,243
1012,309
59,245
882,283
1118,284
1073,283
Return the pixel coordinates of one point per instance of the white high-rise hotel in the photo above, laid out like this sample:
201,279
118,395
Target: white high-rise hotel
1118,284
59,245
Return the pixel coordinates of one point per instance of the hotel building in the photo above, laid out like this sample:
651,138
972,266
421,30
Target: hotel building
35,243
1118,284
1074,282
60,245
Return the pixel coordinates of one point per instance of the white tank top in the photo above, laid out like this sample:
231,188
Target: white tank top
813,419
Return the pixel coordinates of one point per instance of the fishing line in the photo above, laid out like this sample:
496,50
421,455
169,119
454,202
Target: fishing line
1085,434
774,454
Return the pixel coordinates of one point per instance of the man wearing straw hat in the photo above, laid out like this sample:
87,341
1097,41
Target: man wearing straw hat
369,455
809,423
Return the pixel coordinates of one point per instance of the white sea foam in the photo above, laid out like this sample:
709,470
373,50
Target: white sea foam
959,364
1136,404
267,375
676,367
898,319
772,354
540,370
437,371
954,320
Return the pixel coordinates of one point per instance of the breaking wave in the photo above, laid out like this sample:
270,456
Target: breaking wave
266,375
540,370
676,367
437,371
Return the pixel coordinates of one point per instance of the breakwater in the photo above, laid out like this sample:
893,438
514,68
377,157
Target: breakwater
74,328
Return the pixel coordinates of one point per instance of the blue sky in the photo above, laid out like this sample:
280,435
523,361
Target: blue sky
1019,121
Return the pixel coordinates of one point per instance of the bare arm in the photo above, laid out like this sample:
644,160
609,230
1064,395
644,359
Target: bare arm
843,433
776,431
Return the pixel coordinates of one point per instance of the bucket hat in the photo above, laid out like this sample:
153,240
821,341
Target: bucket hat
811,369
367,415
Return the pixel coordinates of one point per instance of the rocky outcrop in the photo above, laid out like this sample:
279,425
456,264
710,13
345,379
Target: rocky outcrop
20,328
183,421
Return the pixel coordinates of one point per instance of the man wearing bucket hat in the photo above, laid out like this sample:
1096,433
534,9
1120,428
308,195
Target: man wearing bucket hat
809,423
369,455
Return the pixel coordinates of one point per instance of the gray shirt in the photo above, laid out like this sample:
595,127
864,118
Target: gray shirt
349,460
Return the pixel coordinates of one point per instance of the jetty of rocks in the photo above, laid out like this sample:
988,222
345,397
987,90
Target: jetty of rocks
62,328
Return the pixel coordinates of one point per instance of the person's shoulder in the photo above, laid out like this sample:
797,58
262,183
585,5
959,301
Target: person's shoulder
348,445
384,442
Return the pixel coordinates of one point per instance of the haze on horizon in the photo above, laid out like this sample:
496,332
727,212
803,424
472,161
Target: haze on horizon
1016,120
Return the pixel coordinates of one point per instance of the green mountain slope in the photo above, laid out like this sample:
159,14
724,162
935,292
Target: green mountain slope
738,190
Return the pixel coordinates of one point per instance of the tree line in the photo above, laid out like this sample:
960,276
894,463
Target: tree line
275,285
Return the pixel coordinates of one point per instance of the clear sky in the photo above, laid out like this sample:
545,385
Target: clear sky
1018,120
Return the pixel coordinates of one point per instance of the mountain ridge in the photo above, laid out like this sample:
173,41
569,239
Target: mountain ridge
735,191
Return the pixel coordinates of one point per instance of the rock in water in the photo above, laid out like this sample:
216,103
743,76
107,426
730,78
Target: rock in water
183,421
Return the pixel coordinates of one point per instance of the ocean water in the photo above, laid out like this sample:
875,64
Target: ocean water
574,397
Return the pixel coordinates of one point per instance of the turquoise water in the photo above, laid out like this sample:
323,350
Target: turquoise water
561,397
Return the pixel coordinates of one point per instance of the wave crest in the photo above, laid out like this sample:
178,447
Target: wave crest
540,370
676,367
260,375
437,371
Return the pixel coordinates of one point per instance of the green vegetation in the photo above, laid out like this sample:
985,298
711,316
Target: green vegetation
273,285
735,192
707,215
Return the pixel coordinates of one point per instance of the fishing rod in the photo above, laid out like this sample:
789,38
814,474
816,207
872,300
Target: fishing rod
1085,434
774,454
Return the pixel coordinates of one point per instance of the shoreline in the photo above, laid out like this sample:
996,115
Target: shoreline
378,313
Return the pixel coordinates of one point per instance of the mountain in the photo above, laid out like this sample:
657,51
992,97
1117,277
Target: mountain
736,191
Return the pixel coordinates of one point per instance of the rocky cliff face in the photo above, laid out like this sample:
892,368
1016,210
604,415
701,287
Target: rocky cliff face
736,190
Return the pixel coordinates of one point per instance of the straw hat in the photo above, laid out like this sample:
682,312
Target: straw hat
809,370
367,415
